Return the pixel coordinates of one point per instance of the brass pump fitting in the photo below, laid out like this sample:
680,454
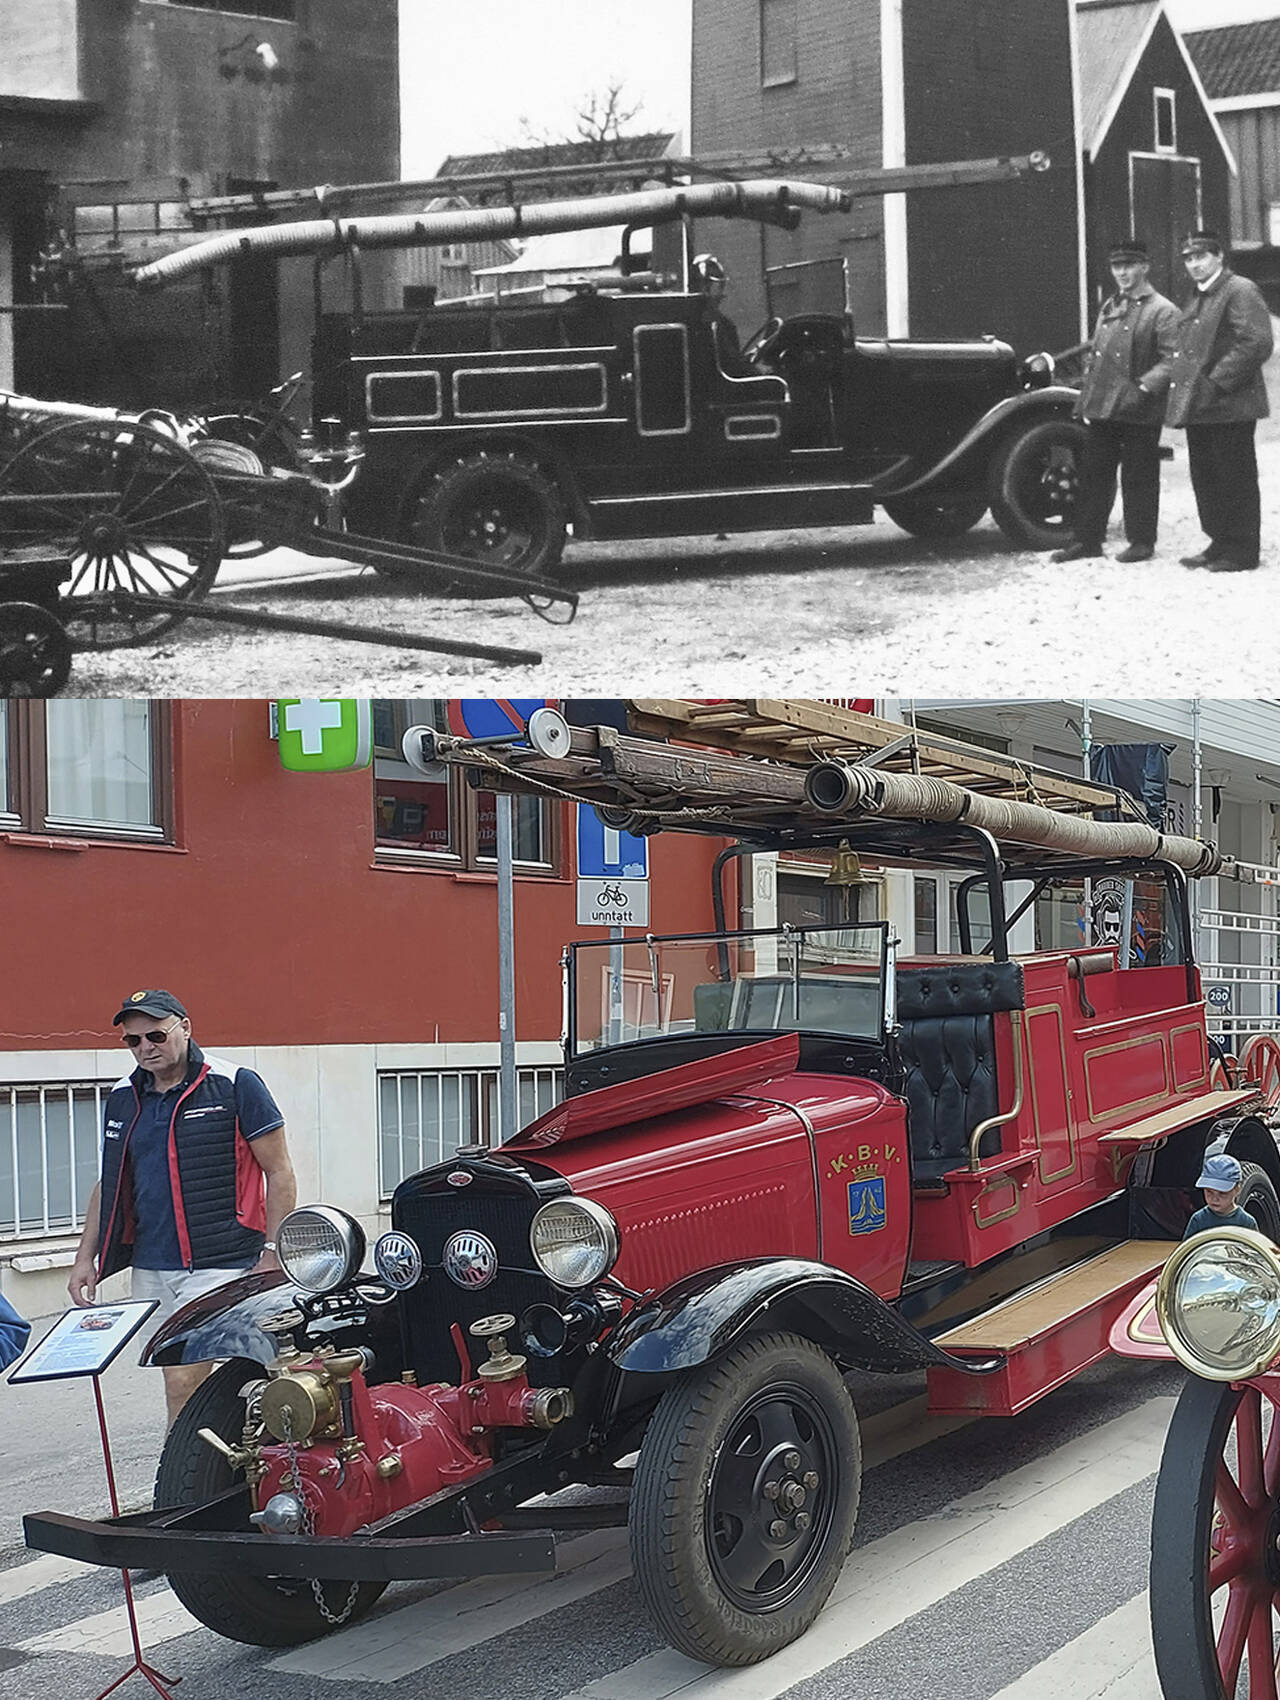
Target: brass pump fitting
301,1404
501,1364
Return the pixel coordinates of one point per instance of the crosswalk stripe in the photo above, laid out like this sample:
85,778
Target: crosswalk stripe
917,1566
37,1573
1112,1660
160,1618
429,1630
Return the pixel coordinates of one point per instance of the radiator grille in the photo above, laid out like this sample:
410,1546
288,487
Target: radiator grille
430,1308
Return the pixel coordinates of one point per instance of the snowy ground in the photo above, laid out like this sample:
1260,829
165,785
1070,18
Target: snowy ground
852,611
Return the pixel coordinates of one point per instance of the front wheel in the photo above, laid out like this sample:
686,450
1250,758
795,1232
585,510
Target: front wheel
1033,482
265,1611
744,1499
1215,1574
936,516
496,509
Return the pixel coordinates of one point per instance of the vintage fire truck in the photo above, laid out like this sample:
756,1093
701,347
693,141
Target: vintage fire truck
487,430
784,1154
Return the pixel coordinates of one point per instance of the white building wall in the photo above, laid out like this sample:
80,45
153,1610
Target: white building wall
329,1097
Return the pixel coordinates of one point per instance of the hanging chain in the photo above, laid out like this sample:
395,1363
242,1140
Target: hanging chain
294,1479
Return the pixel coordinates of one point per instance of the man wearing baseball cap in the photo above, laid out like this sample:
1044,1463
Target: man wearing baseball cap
196,1176
1221,1178
1218,393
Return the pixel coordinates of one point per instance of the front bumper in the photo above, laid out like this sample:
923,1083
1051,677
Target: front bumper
212,1538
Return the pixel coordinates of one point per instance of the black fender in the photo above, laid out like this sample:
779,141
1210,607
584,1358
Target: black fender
702,1315
1030,407
226,1323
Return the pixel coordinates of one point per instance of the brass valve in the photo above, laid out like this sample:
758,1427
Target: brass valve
501,1365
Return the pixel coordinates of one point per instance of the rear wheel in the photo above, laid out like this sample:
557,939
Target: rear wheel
1033,482
497,509
1258,1197
936,516
745,1498
265,1611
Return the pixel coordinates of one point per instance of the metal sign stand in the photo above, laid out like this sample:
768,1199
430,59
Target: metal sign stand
85,1341
139,1667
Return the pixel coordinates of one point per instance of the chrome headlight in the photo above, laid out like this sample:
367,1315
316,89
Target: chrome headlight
574,1241
319,1248
1218,1301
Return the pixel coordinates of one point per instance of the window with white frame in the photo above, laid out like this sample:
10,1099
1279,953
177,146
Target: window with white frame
49,1138
87,768
1166,120
437,814
424,1115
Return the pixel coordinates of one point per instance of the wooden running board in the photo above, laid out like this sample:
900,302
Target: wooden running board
1047,1334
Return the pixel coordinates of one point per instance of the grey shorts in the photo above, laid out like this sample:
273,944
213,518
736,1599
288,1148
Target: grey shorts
177,1287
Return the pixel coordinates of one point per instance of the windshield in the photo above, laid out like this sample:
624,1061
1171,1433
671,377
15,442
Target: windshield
812,979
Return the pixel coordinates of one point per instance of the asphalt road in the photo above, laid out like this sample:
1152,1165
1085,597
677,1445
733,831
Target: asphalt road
994,1560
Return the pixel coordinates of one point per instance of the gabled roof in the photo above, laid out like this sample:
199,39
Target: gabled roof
1112,40
1238,59
650,146
1113,35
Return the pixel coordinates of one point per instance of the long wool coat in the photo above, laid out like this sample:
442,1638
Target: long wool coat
1224,340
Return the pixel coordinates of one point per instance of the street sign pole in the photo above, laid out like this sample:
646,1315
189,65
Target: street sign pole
507,1111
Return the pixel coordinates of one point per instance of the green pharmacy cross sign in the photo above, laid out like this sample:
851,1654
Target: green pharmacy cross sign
324,734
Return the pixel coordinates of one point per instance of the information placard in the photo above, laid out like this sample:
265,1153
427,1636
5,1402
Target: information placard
84,1341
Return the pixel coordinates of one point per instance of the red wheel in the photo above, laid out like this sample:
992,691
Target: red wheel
1222,1074
1260,1063
1215,1544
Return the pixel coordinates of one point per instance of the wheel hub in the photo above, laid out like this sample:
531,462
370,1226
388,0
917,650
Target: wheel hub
783,1488
104,535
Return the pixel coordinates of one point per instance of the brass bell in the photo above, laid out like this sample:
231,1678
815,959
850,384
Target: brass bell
846,869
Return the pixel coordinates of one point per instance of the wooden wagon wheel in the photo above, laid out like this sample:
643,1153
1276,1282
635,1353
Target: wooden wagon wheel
129,509
1260,1063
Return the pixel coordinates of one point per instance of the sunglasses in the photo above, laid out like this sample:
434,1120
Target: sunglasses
157,1036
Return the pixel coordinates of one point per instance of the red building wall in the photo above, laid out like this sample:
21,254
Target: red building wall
271,917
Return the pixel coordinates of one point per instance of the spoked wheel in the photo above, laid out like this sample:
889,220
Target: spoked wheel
1215,1545
1033,483
129,509
266,1611
745,1498
35,654
1260,1064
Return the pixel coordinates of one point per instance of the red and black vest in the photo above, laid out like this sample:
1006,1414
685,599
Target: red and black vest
217,1184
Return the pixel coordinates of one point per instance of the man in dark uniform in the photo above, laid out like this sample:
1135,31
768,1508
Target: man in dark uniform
1218,393
1122,405
710,277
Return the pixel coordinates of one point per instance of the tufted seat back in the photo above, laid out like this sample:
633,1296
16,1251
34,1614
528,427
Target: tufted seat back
947,1045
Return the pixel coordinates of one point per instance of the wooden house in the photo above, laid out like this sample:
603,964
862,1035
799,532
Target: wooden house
1156,161
1239,65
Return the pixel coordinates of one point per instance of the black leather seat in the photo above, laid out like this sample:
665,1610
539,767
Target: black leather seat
947,1045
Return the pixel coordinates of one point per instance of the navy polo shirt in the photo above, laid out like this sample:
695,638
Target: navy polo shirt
155,1244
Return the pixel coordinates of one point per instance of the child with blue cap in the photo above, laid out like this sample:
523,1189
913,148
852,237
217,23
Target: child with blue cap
1221,1178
